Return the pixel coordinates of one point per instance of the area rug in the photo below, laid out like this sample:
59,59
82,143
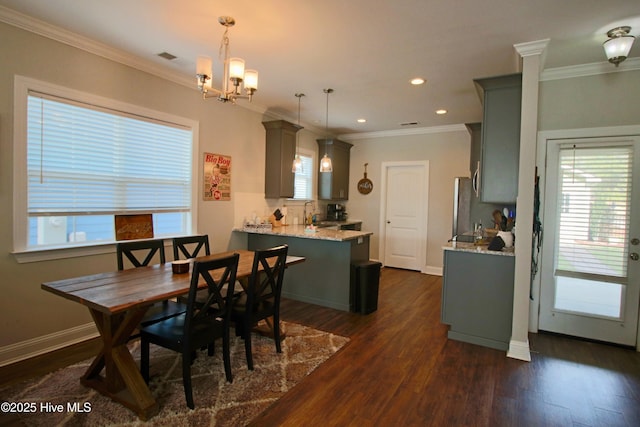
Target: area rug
217,402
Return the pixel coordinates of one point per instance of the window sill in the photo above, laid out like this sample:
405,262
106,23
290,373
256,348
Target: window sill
36,255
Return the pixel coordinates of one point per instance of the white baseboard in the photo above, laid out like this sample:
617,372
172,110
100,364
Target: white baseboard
36,346
519,350
434,271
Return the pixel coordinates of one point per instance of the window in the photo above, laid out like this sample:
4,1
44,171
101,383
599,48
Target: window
87,159
303,183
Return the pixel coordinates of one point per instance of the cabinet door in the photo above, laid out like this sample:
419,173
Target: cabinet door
501,145
334,185
279,153
502,98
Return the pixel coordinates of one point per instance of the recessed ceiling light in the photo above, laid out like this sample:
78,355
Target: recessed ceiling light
417,81
362,120
441,111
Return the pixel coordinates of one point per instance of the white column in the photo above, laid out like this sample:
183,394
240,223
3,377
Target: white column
531,54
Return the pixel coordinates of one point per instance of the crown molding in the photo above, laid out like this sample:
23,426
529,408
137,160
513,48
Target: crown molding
582,70
403,132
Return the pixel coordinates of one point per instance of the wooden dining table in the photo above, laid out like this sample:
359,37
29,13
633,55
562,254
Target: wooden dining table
117,301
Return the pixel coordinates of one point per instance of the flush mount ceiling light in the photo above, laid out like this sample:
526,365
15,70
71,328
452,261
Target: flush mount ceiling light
296,167
619,44
325,162
234,72
417,81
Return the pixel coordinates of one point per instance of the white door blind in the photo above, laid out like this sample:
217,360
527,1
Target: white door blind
303,180
594,191
85,160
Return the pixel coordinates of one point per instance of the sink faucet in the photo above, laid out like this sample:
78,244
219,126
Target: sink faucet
304,220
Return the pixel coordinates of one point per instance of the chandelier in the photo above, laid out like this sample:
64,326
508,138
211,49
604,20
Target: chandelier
234,72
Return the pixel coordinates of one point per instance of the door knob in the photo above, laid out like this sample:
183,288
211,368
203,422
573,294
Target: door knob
634,256
635,241
388,222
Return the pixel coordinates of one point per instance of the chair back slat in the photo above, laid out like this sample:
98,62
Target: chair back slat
220,276
190,246
267,277
138,250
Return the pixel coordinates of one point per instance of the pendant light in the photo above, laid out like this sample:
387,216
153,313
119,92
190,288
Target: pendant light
325,162
296,167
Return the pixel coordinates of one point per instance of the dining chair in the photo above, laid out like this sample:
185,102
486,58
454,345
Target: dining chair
140,253
200,326
261,298
190,246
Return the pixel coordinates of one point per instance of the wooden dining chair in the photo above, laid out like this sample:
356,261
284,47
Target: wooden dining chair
261,298
140,253
200,326
190,246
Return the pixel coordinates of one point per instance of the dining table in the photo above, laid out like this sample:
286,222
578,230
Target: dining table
117,301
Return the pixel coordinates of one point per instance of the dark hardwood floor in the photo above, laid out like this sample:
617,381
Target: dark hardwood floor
400,369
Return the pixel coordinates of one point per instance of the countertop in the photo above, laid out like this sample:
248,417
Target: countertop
471,247
319,234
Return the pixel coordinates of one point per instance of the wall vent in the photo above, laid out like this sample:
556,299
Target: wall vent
408,123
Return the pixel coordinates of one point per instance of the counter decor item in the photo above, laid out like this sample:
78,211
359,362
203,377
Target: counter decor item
365,185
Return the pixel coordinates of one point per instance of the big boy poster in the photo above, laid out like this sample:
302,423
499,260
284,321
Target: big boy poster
217,177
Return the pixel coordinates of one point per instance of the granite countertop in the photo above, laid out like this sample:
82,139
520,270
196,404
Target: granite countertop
482,249
319,234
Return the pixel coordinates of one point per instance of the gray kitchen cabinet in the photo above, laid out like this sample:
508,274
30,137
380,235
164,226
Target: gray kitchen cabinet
477,297
334,185
280,151
501,98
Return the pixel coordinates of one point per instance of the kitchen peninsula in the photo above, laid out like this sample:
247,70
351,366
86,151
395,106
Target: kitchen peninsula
324,278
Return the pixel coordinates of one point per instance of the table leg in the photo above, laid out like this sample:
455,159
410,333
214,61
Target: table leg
122,380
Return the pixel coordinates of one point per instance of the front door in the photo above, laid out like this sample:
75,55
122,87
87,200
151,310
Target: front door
405,215
590,277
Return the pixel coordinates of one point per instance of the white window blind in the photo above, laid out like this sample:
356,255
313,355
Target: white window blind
85,160
303,181
594,201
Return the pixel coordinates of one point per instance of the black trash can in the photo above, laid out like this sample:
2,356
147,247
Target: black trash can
365,280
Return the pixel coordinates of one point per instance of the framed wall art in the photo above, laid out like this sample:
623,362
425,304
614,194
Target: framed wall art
217,177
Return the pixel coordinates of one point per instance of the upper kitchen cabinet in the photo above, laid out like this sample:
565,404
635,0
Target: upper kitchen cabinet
334,185
280,151
500,153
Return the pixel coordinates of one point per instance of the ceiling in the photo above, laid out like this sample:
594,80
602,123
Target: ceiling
366,50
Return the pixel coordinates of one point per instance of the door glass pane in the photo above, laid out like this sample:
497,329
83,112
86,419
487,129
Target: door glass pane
589,296
594,204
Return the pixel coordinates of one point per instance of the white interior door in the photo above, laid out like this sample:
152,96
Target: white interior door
404,215
590,270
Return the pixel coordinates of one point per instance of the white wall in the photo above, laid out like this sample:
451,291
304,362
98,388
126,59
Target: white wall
448,156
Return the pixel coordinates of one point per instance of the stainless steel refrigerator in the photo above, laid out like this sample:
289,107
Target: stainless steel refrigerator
467,210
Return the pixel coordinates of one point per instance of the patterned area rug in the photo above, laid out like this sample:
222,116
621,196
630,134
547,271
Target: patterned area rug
217,402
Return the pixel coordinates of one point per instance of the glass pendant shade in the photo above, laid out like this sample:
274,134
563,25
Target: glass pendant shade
251,79
325,164
296,167
236,68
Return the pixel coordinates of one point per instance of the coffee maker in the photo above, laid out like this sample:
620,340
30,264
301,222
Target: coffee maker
336,212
